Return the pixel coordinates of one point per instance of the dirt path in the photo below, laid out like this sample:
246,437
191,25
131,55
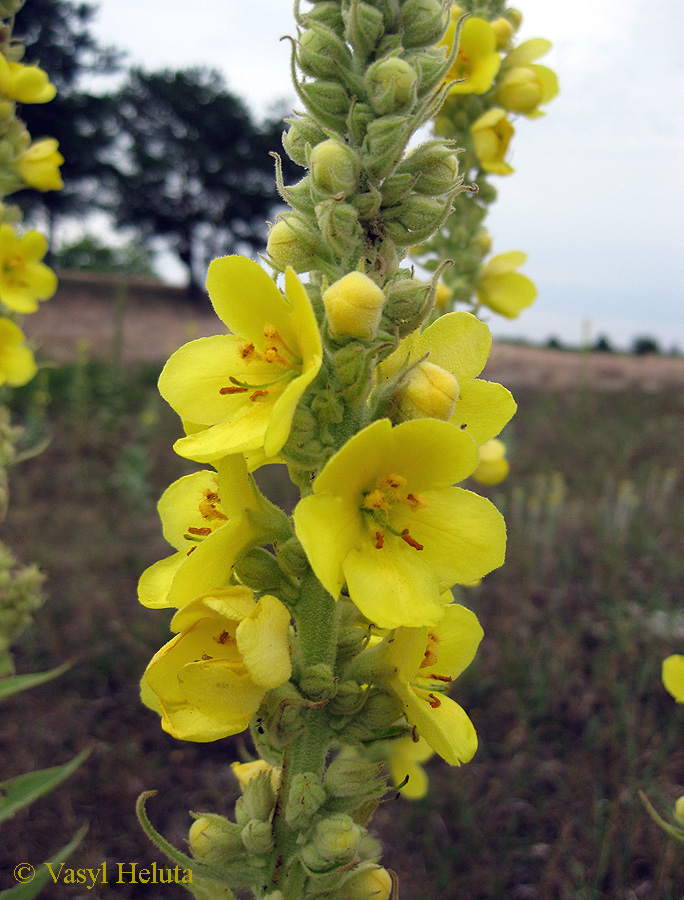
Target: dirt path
83,317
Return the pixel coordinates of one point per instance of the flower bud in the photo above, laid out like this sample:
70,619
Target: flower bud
396,187
259,797
214,839
335,168
257,837
365,26
302,133
321,53
391,86
424,22
418,217
384,144
353,305
504,31
305,798
435,167
259,570
318,682
328,103
429,392
327,13
408,303
290,244
373,883
515,17
291,553
336,837
442,296
247,772
354,778
359,118
493,466
350,697
39,165
491,134
340,226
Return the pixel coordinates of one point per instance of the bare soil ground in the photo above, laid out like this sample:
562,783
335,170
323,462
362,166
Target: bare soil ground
143,327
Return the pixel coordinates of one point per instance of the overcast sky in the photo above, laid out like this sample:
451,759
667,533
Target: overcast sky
597,195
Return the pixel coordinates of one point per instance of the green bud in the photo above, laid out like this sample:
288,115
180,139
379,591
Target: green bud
259,797
431,66
335,168
384,145
365,25
409,301
257,837
391,86
424,22
378,715
359,118
434,166
259,570
349,362
321,53
318,682
354,778
368,204
418,216
9,8
396,187
349,699
327,13
336,837
302,133
340,226
305,798
292,557
299,196
291,242
328,103
214,839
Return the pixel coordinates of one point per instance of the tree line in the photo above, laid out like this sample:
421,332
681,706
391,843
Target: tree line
172,155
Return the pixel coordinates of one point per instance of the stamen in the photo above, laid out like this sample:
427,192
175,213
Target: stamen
191,537
434,702
233,390
208,508
257,394
201,531
247,351
222,638
191,550
416,501
376,500
405,536
445,678
379,541
430,657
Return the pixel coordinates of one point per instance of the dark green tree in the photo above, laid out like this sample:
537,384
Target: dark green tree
56,34
197,171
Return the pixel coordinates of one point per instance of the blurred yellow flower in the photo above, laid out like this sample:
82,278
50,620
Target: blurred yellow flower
17,365
24,279
39,165
477,61
404,759
426,661
493,466
209,681
385,518
491,134
673,677
25,84
240,390
524,86
501,288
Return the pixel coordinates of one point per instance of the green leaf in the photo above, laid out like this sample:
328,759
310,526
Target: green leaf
31,889
16,683
18,792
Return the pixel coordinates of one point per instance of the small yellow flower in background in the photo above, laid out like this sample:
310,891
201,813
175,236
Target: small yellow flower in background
524,86
477,61
17,365
673,677
25,84
211,678
241,390
458,344
24,279
385,518
39,165
493,466
442,295
492,133
404,758
426,661
209,518
501,288
353,306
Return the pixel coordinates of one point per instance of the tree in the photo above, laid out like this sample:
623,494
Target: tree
56,34
197,170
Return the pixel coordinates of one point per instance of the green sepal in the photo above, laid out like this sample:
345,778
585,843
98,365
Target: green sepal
364,26
19,792
236,873
17,683
31,889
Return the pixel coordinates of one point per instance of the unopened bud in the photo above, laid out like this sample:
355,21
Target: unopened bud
353,305
408,302
504,31
384,144
257,837
340,226
327,101
430,392
321,53
335,168
290,245
434,166
354,778
391,86
424,22
247,772
291,553
349,699
365,26
418,217
318,682
327,12
515,17
305,798
259,797
371,884
258,569
302,133
336,837
214,839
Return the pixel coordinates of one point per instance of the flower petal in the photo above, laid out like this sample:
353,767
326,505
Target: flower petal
325,552
445,726
262,639
458,636
483,407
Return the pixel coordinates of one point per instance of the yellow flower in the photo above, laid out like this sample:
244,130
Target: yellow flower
210,679
242,389
501,288
404,758
493,466
39,165
426,661
246,772
477,61
492,133
24,280
673,677
17,365
353,305
524,85
458,344
25,84
385,518
210,518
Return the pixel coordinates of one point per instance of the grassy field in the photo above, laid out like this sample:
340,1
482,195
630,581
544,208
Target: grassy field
565,691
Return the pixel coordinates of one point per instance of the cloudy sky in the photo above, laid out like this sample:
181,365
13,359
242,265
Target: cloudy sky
597,195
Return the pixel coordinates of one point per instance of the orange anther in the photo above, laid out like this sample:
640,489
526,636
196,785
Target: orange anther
405,536
434,702
200,531
379,541
233,390
257,394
